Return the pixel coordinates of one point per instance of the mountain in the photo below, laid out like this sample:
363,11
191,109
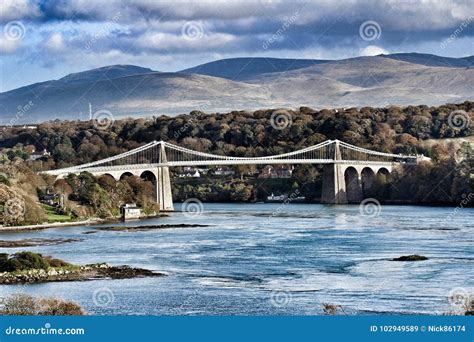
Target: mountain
136,95
239,69
104,73
127,90
433,60
369,81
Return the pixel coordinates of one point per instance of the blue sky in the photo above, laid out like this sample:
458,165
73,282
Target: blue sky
43,40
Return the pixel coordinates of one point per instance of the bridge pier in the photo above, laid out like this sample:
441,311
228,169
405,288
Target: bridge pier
334,185
164,196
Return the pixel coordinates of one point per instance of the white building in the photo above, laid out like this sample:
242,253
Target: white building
224,171
130,211
190,172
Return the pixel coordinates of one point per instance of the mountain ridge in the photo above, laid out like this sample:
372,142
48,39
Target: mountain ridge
129,90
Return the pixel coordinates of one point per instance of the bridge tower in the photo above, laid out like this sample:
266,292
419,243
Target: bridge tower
334,185
164,196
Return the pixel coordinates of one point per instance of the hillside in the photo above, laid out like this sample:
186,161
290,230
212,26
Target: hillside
244,84
239,69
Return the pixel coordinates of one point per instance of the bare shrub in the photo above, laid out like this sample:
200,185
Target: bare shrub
25,305
331,309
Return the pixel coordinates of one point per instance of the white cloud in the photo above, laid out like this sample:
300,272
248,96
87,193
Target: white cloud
84,33
55,43
193,39
18,9
373,50
8,46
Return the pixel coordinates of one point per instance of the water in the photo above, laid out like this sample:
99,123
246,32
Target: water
272,259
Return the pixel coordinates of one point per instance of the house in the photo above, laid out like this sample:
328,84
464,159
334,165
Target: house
270,171
130,211
203,171
224,171
37,155
190,172
266,172
283,172
52,199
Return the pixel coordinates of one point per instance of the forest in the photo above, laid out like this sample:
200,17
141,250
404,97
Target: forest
431,131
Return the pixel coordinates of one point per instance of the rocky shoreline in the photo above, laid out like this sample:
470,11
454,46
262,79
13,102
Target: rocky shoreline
75,273
149,227
50,225
35,242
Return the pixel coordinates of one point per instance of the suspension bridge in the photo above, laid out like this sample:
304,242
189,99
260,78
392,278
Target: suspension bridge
348,169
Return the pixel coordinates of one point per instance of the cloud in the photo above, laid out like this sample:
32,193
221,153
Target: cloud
8,46
424,15
173,35
18,10
373,50
55,43
193,40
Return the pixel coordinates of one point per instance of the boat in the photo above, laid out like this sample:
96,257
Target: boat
285,198
276,199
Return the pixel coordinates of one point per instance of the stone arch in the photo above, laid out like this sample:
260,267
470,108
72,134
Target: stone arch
125,174
109,175
368,180
150,176
353,185
106,180
383,175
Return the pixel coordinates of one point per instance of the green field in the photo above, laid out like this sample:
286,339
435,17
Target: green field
55,217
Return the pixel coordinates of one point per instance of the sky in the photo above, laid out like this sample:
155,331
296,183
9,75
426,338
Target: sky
43,40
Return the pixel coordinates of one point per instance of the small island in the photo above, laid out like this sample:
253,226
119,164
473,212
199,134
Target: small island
412,257
29,267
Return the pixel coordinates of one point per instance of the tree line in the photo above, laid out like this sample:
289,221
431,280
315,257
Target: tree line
407,130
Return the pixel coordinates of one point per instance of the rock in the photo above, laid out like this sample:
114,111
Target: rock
413,257
88,272
53,272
